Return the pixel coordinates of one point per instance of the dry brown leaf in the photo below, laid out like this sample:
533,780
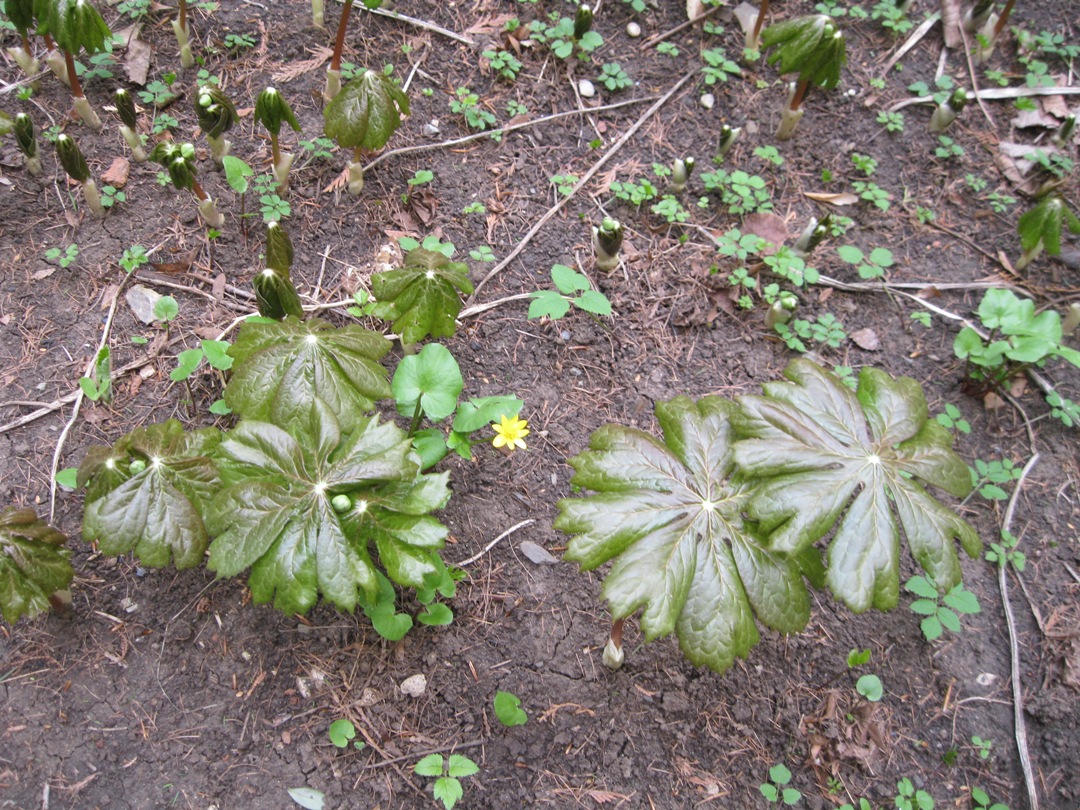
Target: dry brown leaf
137,61
338,182
296,69
181,265
832,198
43,274
866,339
117,173
769,227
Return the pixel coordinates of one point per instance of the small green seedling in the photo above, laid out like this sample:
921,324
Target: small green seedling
776,790
869,686
573,289
980,800
133,258
953,419
1005,553
98,387
982,746
62,257
166,309
908,798
869,266
342,732
447,774
940,612
857,657
508,710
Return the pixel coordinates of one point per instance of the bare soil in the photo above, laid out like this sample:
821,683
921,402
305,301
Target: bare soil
167,689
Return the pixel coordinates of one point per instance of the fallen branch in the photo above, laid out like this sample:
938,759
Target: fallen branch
995,93
427,26
615,147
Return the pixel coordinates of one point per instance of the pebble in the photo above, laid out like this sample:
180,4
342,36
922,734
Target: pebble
633,30
586,88
414,685
708,100
431,130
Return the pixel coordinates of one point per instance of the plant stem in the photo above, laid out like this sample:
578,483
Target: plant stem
754,40
418,415
800,95
182,15
73,77
197,189
616,632
1003,20
339,42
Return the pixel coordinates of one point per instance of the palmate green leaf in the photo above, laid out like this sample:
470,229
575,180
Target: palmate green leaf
1044,222
281,367
303,509
819,451
73,24
666,514
366,111
811,46
431,379
422,297
145,494
34,565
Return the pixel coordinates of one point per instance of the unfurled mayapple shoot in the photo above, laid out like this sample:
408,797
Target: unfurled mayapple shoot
216,115
71,158
179,161
26,139
363,116
129,122
274,291
1040,228
75,25
272,110
814,48
607,242
21,15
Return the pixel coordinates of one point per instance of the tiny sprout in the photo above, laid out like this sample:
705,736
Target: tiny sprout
1064,133
272,110
946,112
341,503
179,161
71,158
583,21
613,656
125,109
607,241
136,466
728,137
680,173
812,236
216,114
26,138
781,310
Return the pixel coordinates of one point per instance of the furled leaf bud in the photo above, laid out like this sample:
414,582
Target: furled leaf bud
181,173
582,21
275,295
680,173
946,112
976,16
215,111
279,249
607,241
71,158
1064,133
728,137
781,310
125,108
812,236
271,110
24,135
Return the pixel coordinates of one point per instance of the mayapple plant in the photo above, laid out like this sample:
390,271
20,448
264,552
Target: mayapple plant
182,31
217,115
1064,133
977,15
333,73
1040,228
71,158
179,161
272,110
21,14
814,48
75,25
813,235
275,294
422,298
718,521
728,137
946,112
35,567
125,109
991,30
607,242
26,139
753,34
363,116
681,170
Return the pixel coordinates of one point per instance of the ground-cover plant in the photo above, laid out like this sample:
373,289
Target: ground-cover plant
572,289
1040,229
776,790
741,192
447,774
71,158
75,25
508,709
217,115
467,104
563,35
504,63
869,266
826,329
947,110
364,115
910,798
125,110
272,110
179,161
703,550
814,48
35,566
342,732
939,611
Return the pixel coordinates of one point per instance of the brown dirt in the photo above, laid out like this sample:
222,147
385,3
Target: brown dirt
166,689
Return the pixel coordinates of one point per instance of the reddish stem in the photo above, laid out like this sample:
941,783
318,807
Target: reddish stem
760,19
339,43
49,44
1003,19
26,44
76,88
274,148
198,190
800,95
616,632
182,16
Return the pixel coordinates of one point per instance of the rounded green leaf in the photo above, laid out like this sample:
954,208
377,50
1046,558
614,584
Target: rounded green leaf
431,378
366,111
869,686
431,765
508,709
341,732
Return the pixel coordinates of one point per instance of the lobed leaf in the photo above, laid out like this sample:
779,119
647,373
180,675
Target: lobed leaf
825,457
366,112
34,565
421,298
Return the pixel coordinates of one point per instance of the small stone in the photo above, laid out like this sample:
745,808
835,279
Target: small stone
117,173
141,299
708,100
633,30
431,130
537,554
414,685
586,88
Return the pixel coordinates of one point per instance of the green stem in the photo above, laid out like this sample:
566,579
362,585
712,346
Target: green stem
418,415
339,42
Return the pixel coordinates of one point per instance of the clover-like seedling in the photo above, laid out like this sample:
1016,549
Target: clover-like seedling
1040,228
607,242
179,161
125,109
71,158
272,110
940,612
75,25
21,15
508,709
182,31
945,113
26,139
217,115
814,48
447,774
573,288
342,732
364,115
776,790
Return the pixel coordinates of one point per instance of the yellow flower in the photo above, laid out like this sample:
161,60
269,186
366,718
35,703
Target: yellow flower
510,433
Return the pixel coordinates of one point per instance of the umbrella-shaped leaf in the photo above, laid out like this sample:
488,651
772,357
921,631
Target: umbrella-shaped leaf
73,24
667,515
811,46
145,494
302,509
34,565
281,367
422,297
366,111
820,453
